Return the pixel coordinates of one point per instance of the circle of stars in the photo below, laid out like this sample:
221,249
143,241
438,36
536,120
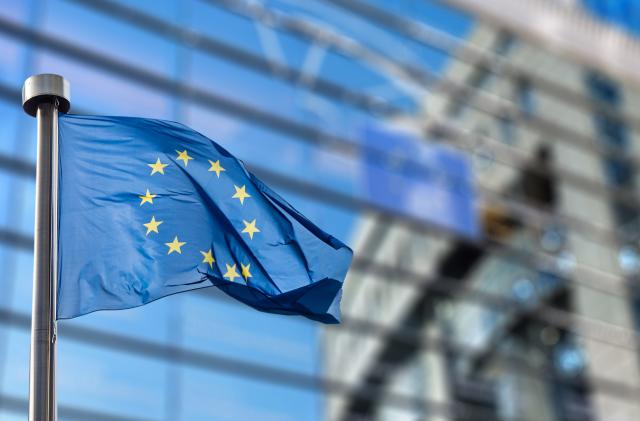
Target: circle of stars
176,245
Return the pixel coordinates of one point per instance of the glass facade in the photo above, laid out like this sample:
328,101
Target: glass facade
197,356
521,326
535,317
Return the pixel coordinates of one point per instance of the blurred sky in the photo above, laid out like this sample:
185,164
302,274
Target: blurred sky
622,13
111,381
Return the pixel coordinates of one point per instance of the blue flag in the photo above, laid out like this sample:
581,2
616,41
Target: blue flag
149,208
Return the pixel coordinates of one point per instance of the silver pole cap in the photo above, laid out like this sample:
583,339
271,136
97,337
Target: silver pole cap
45,88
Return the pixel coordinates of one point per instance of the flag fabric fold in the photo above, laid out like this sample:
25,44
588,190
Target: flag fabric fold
150,208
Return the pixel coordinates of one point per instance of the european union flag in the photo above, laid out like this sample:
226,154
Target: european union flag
149,208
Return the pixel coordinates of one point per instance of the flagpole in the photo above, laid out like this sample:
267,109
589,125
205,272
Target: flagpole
42,97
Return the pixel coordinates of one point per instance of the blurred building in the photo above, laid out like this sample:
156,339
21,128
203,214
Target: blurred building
537,320
516,302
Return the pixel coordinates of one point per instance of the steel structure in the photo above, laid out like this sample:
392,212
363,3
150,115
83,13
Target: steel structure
417,330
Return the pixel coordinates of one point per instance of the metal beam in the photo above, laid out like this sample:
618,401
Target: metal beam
66,412
215,47
300,131
233,366
468,53
407,338
568,31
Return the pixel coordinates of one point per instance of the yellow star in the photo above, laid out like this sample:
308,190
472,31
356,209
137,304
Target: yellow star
245,271
175,245
231,272
216,167
184,156
241,194
250,228
208,258
157,167
148,197
152,226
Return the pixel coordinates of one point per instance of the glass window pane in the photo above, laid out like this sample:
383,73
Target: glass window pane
125,383
115,38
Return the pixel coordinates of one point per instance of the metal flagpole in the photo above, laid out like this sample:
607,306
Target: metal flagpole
42,97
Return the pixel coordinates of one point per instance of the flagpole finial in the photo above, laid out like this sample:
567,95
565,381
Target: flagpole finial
45,88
